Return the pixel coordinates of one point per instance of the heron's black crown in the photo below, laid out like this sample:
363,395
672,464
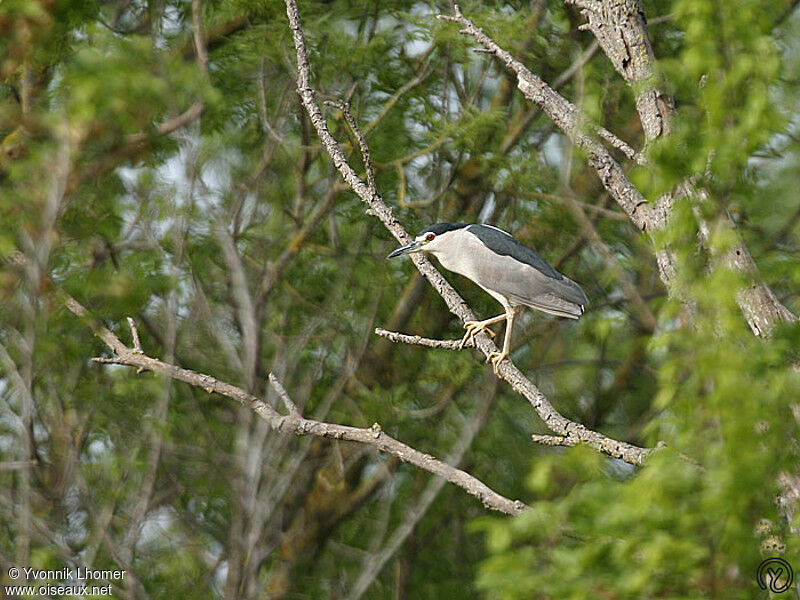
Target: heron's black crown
440,228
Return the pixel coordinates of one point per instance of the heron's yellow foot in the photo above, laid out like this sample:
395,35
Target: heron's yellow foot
474,328
496,358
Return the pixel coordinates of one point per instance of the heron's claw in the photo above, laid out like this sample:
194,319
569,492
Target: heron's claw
473,328
496,358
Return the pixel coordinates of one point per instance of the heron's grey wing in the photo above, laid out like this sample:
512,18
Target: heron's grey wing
519,273
502,243
556,306
529,286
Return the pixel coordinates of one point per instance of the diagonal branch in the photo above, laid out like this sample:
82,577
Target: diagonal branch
758,303
188,116
376,559
131,145
619,26
557,423
294,421
567,117
199,36
362,143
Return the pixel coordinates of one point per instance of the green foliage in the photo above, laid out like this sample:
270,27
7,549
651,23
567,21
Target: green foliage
678,528
192,494
721,83
691,523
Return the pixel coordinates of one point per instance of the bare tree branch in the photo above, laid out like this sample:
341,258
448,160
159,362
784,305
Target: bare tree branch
284,395
198,35
646,317
273,272
362,144
620,145
417,340
761,308
422,74
245,307
189,115
377,207
153,443
373,436
606,212
375,560
137,345
620,28
566,116
216,36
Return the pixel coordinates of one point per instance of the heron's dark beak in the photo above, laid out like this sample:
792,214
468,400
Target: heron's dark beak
407,249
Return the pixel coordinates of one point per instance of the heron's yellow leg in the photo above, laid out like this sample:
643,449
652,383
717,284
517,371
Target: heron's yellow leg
497,357
475,327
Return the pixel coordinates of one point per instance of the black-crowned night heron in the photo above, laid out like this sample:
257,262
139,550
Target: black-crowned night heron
506,268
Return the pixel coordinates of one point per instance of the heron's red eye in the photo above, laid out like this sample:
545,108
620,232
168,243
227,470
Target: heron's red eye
429,237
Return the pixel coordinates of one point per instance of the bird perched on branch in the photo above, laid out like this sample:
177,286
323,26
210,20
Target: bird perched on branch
506,268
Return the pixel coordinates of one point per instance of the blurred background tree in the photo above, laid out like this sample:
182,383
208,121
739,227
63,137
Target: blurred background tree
156,163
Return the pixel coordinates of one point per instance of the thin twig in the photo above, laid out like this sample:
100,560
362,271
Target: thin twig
137,345
620,145
600,210
183,119
566,116
424,71
376,559
417,340
576,65
362,143
283,395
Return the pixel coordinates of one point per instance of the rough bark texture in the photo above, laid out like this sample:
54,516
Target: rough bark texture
761,309
566,116
622,27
